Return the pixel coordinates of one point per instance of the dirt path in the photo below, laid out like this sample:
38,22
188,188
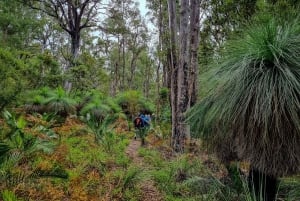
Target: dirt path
150,192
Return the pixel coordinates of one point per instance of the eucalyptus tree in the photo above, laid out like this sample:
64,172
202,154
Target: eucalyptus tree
184,59
144,74
253,113
159,12
137,42
117,25
127,36
73,16
158,9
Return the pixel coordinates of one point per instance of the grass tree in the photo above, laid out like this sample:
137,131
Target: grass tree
60,103
100,112
253,114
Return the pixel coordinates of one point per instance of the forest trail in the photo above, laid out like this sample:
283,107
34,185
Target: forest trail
149,190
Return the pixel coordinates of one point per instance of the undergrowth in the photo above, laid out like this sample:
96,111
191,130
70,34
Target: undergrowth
80,168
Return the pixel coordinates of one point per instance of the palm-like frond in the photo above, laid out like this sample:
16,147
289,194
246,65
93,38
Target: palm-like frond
35,105
97,110
255,109
60,103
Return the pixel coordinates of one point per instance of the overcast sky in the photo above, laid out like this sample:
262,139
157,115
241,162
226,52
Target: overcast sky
143,7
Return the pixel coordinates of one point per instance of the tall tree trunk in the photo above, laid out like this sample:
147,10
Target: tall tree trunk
114,80
75,44
194,46
158,103
132,71
122,87
174,70
168,69
182,80
184,73
147,78
119,74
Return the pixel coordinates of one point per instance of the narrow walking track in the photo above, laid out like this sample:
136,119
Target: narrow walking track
149,190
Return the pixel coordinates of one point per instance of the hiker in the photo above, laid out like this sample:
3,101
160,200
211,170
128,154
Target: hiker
142,123
145,119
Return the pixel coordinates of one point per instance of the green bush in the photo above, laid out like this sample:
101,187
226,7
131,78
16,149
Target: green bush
11,81
9,196
16,138
132,103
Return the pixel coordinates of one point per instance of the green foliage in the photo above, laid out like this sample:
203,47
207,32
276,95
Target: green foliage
254,109
126,180
16,144
11,83
9,196
173,176
16,24
87,73
58,102
97,106
57,171
35,100
164,95
282,9
100,113
42,70
290,188
151,157
132,103
55,104
81,156
130,177
35,105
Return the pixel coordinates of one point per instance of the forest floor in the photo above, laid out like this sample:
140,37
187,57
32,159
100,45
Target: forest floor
118,168
148,188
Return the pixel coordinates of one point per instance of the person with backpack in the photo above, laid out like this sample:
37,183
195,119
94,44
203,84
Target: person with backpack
141,124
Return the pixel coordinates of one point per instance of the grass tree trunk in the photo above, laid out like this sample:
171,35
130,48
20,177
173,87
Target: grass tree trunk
262,186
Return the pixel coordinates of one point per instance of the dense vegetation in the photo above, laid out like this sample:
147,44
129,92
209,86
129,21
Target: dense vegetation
75,74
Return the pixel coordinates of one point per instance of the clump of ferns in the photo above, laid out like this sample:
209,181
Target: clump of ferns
17,147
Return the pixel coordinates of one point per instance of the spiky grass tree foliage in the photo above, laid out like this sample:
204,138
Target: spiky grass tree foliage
60,103
97,106
100,113
254,113
35,105
35,100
